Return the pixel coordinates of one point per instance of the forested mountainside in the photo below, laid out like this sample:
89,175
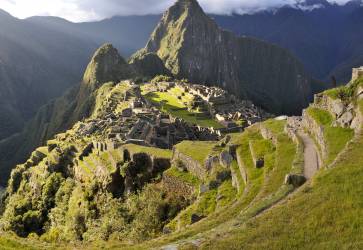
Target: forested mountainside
36,65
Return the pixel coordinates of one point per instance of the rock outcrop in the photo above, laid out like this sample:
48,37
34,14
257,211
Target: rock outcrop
192,46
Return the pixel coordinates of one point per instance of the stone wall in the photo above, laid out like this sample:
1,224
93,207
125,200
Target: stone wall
242,168
190,164
267,134
317,131
291,128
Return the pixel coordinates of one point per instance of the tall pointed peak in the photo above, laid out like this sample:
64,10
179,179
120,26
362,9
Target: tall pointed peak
185,18
106,65
184,6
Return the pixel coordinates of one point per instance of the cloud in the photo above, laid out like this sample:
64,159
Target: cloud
85,10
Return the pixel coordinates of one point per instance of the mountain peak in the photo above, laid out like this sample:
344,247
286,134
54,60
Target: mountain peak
106,66
186,8
191,45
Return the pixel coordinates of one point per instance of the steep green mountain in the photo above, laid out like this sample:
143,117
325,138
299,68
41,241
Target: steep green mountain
37,64
60,114
192,46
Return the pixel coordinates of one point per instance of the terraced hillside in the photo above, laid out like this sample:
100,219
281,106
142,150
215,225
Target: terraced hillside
288,182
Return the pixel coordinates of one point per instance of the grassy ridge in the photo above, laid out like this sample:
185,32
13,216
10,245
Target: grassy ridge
332,219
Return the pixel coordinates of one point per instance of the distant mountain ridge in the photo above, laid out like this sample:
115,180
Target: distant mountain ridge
328,40
36,65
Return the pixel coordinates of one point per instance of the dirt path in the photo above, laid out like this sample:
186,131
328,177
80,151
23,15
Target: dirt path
311,158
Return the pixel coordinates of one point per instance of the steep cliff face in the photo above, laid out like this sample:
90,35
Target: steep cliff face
192,46
106,66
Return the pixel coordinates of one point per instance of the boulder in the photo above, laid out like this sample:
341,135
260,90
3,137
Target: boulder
203,188
346,119
295,180
337,107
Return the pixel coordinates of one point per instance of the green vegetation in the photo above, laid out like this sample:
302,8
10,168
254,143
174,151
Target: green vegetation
240,181
197,150
322,117
275,126
261,148
161,153
226,194
325,214
172,105
183,176
345,93
336,139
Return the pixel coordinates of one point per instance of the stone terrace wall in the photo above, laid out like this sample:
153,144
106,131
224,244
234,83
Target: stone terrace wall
190,164
317,131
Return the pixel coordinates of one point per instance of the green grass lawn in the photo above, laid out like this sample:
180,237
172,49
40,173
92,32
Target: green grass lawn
275,126
322,117
336,139
261,148
176,108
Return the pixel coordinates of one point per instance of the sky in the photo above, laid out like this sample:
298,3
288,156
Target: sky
90,10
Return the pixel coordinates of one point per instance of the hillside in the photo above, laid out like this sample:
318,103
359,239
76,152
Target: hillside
192,46
36,65
263,193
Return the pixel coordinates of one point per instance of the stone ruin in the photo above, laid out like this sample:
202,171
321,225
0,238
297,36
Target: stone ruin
225,108
357,72
141,124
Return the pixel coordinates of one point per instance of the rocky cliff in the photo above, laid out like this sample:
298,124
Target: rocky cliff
192,46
